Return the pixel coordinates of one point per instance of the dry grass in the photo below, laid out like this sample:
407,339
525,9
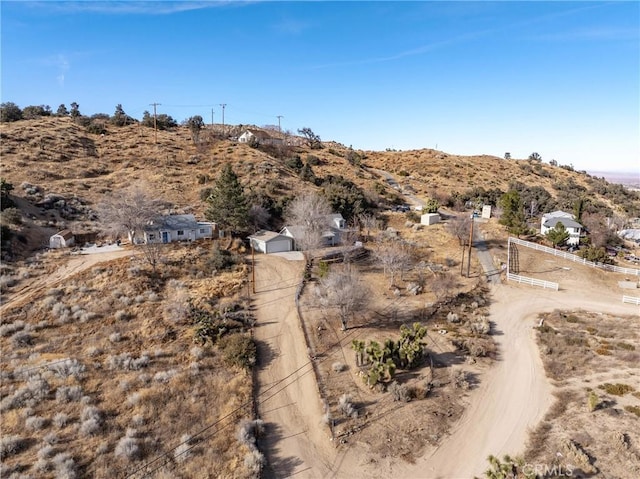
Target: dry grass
593,421
111,406
385,417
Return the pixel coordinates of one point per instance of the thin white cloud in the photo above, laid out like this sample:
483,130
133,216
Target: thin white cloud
596,34
158,7
461,38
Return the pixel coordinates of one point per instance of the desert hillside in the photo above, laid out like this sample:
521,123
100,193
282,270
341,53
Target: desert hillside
60,172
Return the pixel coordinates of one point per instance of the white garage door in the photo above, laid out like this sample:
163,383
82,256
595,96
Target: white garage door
279,245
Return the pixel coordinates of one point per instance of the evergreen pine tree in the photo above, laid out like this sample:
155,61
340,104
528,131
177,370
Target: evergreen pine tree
228,205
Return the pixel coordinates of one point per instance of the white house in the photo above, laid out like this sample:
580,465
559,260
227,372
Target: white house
62,239
331,236
270,242
550,220
259,137
167,229
429,218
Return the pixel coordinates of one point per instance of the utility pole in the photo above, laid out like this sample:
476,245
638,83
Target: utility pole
253,268
155,120
223,105
279,129
212,118
470,246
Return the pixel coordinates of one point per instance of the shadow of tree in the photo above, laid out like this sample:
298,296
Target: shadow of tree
278,465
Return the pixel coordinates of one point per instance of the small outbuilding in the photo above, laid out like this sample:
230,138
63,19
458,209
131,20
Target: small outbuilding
271,242
486,211
62,239
430,219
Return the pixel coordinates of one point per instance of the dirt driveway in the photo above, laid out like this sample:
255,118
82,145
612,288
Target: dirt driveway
296,441
69,266
512,397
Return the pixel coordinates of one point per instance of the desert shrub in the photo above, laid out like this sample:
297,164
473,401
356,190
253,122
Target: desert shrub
9,329
35,423
128,448
60,419
627,346
453,317
197,353
127,362
338,366
254,461
480,325
46,451
51,438
461,380
115,337
92,421
616,389
238,350
66,368
121,315
22,339
11,445
399,392
346,406
65,466
633,410
66,394
183,451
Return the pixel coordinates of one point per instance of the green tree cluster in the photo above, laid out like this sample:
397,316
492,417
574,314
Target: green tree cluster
557,235
513,213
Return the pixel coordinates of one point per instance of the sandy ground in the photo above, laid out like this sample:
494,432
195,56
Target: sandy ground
296,442
68,267
512,397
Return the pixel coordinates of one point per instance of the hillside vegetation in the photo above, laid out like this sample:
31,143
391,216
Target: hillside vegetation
62,171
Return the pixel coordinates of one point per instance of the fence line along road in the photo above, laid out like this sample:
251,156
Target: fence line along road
532,281
575,258
630,300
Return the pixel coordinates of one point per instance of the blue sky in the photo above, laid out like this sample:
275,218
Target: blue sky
558,78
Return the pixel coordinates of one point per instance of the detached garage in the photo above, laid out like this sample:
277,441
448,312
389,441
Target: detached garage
270,242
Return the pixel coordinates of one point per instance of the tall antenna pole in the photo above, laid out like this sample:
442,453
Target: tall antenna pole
279,129
155,120
223,105
212,118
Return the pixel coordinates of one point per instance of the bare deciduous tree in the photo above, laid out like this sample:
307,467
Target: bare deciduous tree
367,222
129,210
259,217
459,226
310,214
396,257
342,289
442,285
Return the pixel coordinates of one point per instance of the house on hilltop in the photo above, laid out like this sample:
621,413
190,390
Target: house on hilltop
258,137
551,220
167,229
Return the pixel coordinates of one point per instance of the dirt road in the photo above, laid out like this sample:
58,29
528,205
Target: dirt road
512,397
68,267
296,441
